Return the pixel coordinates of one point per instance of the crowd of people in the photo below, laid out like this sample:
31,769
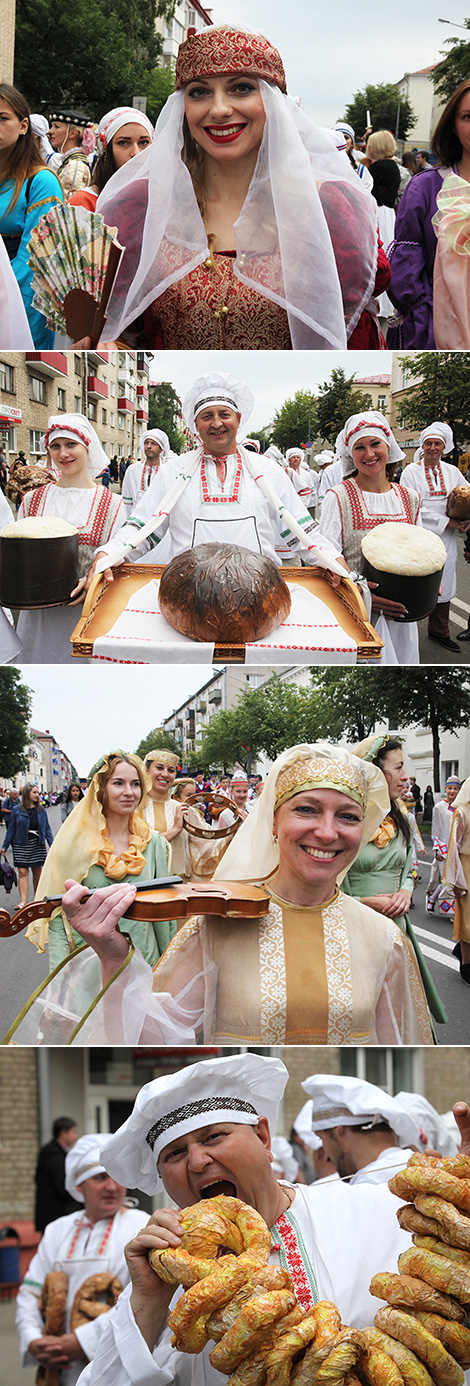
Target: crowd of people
208,1128
212,204
331,843
267,504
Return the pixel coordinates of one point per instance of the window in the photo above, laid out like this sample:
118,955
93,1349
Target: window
112,358
121,420
77,364
77,404
7,378
92,410
113,420
381,402
387,1068
113,389
35,440
122,360
449,767
103,416
12,440
37,389
61,398
128,425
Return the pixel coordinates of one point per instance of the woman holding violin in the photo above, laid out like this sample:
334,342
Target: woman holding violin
314,966
105,839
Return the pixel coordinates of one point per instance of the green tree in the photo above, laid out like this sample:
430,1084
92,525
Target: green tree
264,719
165,413
382,102
160,85
222,743
347,702
442,392
157,740
427,697
95,54
339,399
290,424
455,67
15,702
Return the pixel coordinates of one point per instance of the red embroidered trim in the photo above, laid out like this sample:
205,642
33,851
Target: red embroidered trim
100,504
217,500
295,1263
435,478
68,428
359,517
366,423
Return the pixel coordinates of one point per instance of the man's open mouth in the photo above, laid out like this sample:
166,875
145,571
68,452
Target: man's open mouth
221,1186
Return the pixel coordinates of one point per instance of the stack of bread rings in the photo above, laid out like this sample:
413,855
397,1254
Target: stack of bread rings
263,1336
52,1302
97,1294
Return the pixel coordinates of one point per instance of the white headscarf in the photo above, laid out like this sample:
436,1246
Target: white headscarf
16,333
253,854
77,427
40,125
216,388
368,424
159,437
435,430
152,202
115,119
275,453
284,1162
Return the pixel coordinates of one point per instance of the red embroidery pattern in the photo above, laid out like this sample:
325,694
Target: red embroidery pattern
295,1263
92,532
435,480
217,500
82,1226
359,517
218,51
184,315
366,423
68,428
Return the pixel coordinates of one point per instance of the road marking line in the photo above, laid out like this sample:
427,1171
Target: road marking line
435,938
440,958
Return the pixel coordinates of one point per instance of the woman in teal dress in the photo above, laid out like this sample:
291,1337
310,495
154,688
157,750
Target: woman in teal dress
105,839
27,191
381,875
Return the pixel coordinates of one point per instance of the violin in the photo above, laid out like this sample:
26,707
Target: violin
167,898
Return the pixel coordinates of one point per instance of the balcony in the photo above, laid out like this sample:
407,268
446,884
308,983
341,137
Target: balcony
189,714
96,388
143,366
47,363
215,695
125,405
142,392
125,375
201,706
142,416
98,358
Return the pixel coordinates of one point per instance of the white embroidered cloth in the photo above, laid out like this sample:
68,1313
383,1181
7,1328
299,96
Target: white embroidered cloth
141,635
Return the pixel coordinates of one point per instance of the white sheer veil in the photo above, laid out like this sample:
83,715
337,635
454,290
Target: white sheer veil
306,237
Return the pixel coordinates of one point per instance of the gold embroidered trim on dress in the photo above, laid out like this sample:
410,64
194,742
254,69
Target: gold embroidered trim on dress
338,972
44,203
272,967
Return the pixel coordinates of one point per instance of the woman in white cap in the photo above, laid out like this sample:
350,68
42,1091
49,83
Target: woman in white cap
320,968
122,133
434,479
381,875
368,496
74,450
220,492
107,838
243,226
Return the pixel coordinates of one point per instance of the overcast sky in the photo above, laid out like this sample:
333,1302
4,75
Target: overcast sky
273,376
330,51
90,710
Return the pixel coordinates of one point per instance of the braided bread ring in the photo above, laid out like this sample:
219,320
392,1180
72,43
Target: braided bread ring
378,1368
454,1227
444,1274
413,1371
348,1347
412,1221
86,1306
252,1371
52,1302
263,1278
408,1292
188,1318
411,1332
279,1359
210,1227
431,1179
454,1336
252,1322
453,1253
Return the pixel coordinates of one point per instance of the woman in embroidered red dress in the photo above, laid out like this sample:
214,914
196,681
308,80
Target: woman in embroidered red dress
75,451
243,226
367,496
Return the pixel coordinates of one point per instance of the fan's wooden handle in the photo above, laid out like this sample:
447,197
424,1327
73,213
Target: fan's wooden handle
79,311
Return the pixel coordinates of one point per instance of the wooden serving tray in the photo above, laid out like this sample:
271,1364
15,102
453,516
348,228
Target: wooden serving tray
105,602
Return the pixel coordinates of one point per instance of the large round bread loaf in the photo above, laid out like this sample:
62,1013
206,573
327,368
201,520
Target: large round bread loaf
458,503
220,593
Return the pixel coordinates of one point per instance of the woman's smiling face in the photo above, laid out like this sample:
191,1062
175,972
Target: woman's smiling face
370,456
225,115
319,833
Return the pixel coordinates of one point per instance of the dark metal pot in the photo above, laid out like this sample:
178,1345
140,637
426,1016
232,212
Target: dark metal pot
38,572
418,594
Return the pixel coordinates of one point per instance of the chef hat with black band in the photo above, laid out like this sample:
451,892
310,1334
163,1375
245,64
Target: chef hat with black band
240,1089
344,1101
216,388
82,1162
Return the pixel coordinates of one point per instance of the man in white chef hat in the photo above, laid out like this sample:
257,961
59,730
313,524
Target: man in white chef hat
82,1244
220,492
322,1164
205,1130
368,1135
155,449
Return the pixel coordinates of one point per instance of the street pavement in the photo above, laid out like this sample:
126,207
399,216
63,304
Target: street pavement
429,652
11,1371
23,968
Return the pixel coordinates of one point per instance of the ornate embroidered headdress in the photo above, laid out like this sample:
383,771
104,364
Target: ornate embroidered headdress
219,50
318,773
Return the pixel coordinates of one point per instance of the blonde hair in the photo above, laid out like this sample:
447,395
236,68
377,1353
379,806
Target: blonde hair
381,145
104,774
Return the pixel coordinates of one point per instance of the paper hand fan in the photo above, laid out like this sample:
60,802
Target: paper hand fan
75,260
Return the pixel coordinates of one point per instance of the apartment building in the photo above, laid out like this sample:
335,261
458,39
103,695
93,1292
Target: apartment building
378,387
187,14
220,693
110,388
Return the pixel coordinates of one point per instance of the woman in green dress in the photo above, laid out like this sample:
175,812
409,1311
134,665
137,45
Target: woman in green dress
105,839
381,876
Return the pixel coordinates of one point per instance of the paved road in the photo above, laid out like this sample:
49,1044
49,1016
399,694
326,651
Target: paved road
22,968
429,652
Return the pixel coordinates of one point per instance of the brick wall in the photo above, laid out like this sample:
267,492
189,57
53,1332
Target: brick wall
18,1133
